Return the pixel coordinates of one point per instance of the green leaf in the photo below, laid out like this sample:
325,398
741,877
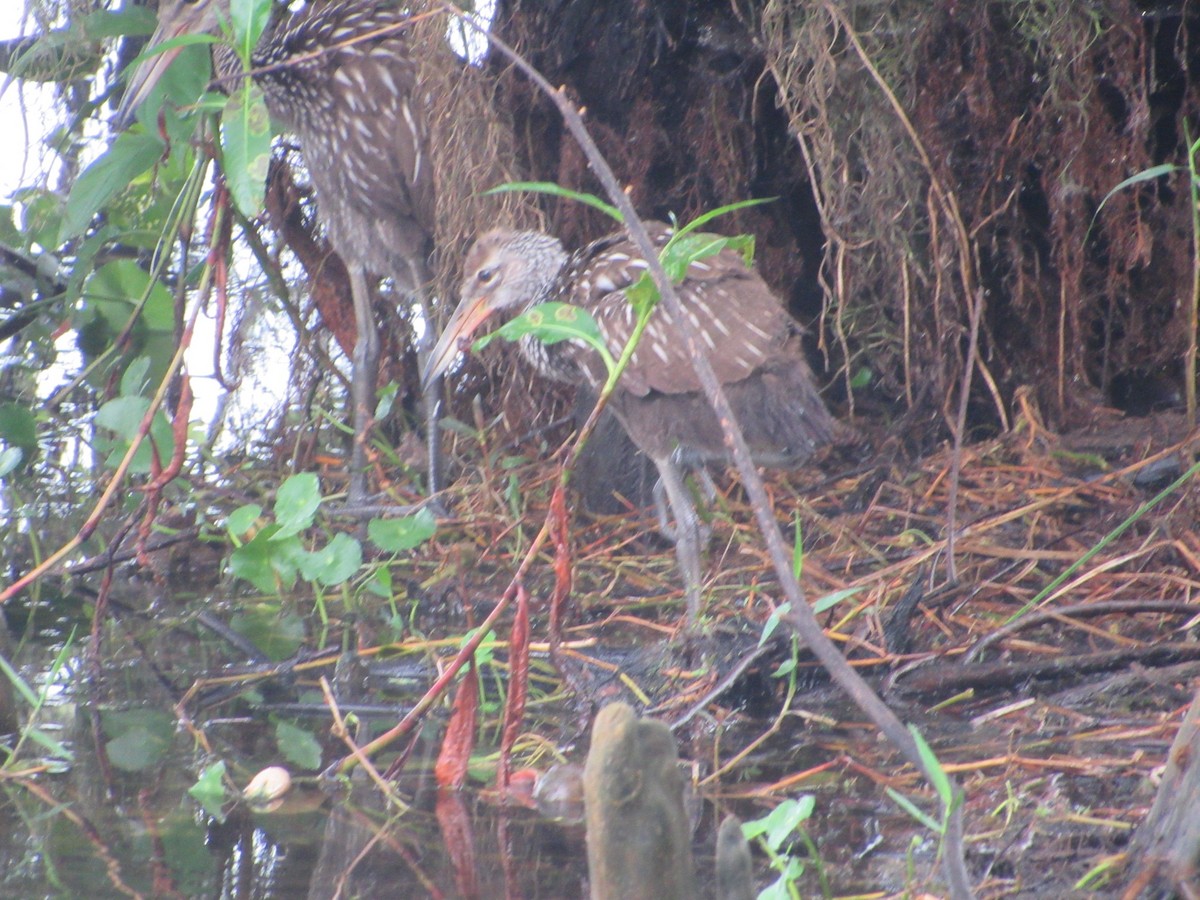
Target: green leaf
140,738
555,190
296,504
829,601
792,869
933,768
743,244
135,20
9,233
113,305
134,381
680,252
123,415
266,563
22,686
298,746
130,154
781,822
117,288
182,42
683,250
137,749
41,216
209,790
643,295
551,323
174,103
380,583
56,748
246,147
913,810
776,890
252,562
387,399
248,18
862,378
773,621
162,441
60,754
486,649
334,563
398,535
18,429
278,635
243,518
1145,175
703,219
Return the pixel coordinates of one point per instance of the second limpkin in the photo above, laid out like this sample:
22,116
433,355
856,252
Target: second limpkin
339,73
748,337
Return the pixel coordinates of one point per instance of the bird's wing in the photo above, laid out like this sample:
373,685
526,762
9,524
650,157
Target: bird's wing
353,59
392,114
739,321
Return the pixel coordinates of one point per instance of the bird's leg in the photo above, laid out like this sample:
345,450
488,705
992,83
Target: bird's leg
686,533
707,486
431,400
433,435
432,403
362,385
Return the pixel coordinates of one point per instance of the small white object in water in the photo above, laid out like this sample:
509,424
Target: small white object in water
269,784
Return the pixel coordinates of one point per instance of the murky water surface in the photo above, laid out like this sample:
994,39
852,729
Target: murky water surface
97,802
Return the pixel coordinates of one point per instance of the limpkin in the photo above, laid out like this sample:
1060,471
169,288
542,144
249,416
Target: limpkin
751,341
339,74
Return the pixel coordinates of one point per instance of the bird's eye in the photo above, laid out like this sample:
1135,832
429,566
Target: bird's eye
486,276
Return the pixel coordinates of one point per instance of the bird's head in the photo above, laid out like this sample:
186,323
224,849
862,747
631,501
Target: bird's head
175,19
504,270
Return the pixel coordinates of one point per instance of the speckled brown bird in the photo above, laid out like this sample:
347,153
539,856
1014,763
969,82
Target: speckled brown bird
748,337
340,74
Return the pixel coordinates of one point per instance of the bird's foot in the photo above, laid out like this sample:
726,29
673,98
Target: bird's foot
435,505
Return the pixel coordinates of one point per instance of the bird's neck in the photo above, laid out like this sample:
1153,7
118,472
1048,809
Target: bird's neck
545,274
267,72
226,66
546,259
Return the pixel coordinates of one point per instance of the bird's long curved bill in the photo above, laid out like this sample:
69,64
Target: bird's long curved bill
471,313
147,75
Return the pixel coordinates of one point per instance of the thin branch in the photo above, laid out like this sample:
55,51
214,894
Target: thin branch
800,616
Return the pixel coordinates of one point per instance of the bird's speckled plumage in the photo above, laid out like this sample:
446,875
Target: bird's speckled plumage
749,339
339,74
751,342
